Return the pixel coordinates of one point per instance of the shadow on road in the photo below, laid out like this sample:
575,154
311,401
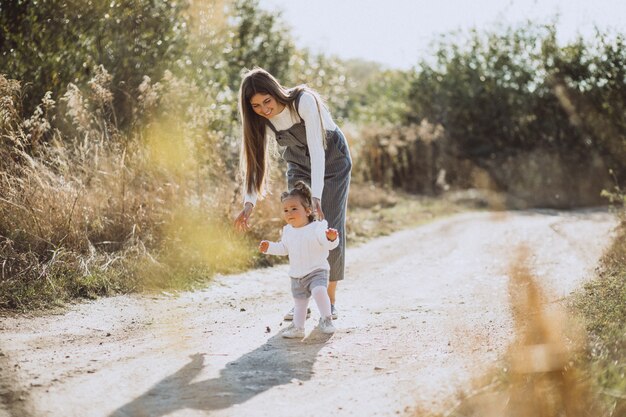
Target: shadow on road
277,362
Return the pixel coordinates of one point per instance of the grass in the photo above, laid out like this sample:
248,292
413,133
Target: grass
602,306
93,211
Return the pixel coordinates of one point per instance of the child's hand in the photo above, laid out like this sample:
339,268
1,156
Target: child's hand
331,234
264,245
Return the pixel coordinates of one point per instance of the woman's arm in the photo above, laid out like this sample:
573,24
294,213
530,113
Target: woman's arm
241,221
249,200
308,110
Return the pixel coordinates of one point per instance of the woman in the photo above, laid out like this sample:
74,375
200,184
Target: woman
313,146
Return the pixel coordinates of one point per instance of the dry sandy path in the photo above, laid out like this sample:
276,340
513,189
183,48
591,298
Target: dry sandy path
423,311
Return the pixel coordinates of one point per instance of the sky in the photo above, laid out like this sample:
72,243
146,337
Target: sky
397,33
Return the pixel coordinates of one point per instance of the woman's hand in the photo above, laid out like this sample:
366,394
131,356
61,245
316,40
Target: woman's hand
317,208
263,246
241,222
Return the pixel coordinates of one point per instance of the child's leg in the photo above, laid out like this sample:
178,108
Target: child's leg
299,311
320,295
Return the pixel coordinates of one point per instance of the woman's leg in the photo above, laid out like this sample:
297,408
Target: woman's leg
332,290
334,203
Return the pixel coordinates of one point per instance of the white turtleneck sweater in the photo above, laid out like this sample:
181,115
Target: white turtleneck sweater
308,109
307,247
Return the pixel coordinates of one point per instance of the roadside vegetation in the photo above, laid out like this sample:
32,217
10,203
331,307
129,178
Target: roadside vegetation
602,308
119,148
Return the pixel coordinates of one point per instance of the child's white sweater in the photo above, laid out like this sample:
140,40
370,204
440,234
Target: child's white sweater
306,246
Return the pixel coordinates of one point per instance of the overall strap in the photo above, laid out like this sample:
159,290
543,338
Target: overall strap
319,112
271,126
297,103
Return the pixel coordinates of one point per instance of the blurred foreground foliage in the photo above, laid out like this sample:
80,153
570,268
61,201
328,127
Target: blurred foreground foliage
118,116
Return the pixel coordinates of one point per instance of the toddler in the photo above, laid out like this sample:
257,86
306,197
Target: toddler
307,242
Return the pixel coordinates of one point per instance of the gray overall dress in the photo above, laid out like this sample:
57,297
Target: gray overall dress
338,166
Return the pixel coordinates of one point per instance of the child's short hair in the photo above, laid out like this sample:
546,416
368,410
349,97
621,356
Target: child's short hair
303,192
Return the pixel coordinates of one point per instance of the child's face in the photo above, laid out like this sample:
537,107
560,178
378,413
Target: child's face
295,213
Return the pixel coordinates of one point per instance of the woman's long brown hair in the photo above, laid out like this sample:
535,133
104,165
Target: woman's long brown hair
254,159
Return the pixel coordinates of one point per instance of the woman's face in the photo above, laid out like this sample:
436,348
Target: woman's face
266,105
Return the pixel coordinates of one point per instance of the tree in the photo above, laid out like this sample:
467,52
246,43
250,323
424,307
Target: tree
47,44
256,38
376,95
493,93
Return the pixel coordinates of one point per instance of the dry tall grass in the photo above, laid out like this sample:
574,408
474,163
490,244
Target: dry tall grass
542,377
407,157
543,381
424,159
94,211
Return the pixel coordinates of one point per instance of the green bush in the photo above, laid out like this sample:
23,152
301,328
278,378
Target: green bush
50,43
517,90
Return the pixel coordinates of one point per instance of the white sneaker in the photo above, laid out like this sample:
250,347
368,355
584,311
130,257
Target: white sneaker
293,332
333,312
326,325
289,315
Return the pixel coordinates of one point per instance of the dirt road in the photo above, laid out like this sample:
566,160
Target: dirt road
423,311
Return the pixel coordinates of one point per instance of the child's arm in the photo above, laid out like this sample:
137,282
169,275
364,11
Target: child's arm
332,238
328,237
273,248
